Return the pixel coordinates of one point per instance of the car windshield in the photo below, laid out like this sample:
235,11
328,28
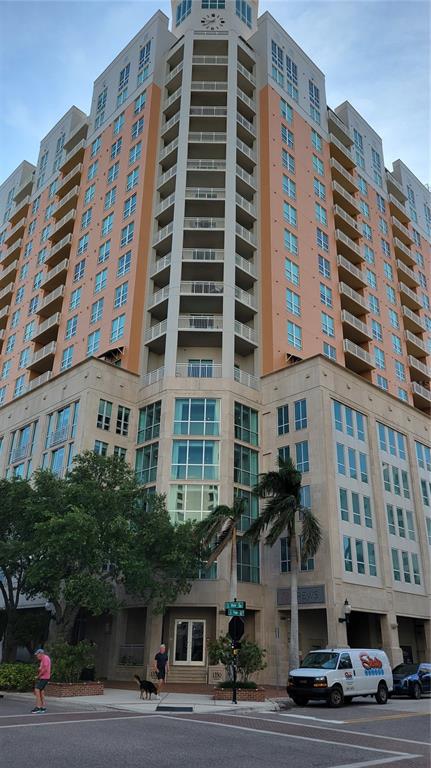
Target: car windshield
405,669
321,660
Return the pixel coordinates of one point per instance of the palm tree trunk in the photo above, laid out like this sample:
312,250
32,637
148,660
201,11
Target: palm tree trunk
294,628
233,568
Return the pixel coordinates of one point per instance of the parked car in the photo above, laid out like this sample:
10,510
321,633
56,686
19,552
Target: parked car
336,675
412,680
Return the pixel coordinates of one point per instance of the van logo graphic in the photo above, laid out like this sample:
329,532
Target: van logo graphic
348,675
369,663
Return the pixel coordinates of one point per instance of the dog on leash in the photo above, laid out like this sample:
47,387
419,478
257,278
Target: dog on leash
145,686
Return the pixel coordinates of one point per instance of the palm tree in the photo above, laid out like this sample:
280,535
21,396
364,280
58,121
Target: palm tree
281,514
222,525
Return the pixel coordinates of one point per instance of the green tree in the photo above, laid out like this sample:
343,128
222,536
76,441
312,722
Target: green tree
250,657
102,536
18,519
217,531
282,513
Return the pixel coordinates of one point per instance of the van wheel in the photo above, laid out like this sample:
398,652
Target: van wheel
348,699
300,701
382,694
336,697
415,691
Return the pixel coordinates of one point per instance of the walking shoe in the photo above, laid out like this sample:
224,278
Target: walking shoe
35,711
42,711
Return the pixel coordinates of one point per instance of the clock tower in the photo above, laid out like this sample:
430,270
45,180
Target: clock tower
215,16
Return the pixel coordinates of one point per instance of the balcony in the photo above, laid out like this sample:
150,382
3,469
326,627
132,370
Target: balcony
168,126
63,227
210,60
43,358
4,316
155,337
401,231
200,222
349,273
345,199
161,266
51,303
394,187
2,338
246,270
200,296
246,339
343,177
153,376
47,331
418,370
357,359
245,205
15,232
245,304
205,193
408,276
207,137
415,345
6,293
165,177
174,72
352,300
408,297
202,254
348,248
248,178
206,165
66,203
245,73
25,188
246,124
338,128
348,225
11,252
208,112
199,371
412,321
39,380
354,328
208,85
341,152
404,253
250,103
398,209
247,151
163,234
200,330
20,210
246,234
67,182
245,378
75,155
168,149
61,248
55,276
421,397
59,435
159,300
20,452
7,275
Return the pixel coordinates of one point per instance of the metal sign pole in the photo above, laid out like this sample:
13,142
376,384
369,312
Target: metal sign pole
234,651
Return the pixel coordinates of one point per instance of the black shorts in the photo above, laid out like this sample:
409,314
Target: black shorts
161,674
41,684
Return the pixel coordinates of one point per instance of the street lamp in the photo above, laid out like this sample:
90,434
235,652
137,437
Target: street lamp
347,608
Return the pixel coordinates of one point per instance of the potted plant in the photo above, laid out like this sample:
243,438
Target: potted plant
68,664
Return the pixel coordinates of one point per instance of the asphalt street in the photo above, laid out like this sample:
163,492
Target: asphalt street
361,734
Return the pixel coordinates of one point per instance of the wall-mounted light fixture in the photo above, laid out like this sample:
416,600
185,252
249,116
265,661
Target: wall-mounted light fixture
347,608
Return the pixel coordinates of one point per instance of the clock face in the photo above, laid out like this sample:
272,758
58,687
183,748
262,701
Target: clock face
213,21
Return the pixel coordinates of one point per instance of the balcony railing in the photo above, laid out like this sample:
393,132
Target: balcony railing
200,323
39,380
415,341
206,165
245,297
208,111
219,60
353,271
202,254
347,199
413,319
162,234
155,330
161,264
246,73
354,296
245,123
198,287
11,235
246,99
353,349
64,183
247,177
419,366
247,333
153,376
246,205
247,379
158,296
199,370
173,72
59,435
168,149
199,222
346,177
246,234
170,123
246,150
208,85
205,193
207,137
348,318
407,273
404,252
21,452
245,265
421,391
350,246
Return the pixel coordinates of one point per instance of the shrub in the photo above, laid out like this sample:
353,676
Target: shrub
248,684
250,657
17,677
68,661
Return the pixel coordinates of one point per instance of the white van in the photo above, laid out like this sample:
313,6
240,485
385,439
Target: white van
338,674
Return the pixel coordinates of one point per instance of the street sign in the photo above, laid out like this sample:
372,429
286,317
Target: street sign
234,612
236,628
235,604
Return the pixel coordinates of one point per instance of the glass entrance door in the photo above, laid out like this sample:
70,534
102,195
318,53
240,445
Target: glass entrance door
189,641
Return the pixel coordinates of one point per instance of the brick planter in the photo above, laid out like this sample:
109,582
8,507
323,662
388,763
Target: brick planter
242,694
61,690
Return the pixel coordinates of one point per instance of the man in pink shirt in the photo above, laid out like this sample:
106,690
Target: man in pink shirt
42,680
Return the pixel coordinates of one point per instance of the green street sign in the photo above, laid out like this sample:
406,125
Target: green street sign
235,604
234,612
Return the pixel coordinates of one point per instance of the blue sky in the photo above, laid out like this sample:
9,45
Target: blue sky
373,53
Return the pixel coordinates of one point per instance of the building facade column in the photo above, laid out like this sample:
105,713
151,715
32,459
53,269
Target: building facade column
390,638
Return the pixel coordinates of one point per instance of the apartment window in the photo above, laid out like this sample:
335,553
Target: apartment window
371,559
351,455
132,179
283,420
385,248
347,547
33,304
93,342
316,140
390,293
371,279
117,327
120,297
393,319
245,470
107,224
75,298
369,254
360,561
387,269
110,198
127,234
314,96
286,111
423,456
382,382
15,318
246,424
293,302
92,170
129,206
402,394
322,240
327,324
2,394
10,344
104,414
135,153
100,448
365,208
104,252
28,331
95,147
363,467
140,102
320,213
196,460
374,304
28,249
116,148
137,128
329,351
424,490
6,369
123,418
320,191
324,267
66,358
86,218
83,244
146,463
19,388
291,271
367,512
289,213
325,295
96,311
287,161
113,172
71,327
124,264
118,124
100,281
318,165
367,231
19,296
294,335
300,414
396,344
290,242
341,463
149,422
302,460
284,453
400,371
184,8
287,136
344,504
198,416
24,358
78,272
